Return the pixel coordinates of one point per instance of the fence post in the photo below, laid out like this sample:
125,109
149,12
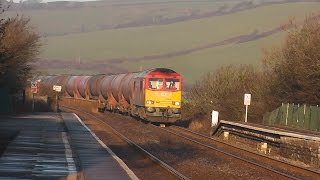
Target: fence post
304,114
310,118
298,115
291,120
287,114
318,128
282,114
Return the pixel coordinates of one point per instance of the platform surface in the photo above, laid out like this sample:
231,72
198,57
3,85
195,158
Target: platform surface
55,146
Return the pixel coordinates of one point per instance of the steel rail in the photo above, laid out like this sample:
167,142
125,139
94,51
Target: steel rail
152,157
254,153
232,155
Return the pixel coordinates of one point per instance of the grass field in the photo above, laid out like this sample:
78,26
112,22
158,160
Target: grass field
110,14
130,43
193,66
133,42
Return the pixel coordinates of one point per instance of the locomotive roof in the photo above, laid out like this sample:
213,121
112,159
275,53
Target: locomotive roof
161,70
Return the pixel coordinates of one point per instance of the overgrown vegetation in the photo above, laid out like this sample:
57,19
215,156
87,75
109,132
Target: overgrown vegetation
224,89
19,46
294,68
290,73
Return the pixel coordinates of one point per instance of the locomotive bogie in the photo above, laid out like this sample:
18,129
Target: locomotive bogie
163,114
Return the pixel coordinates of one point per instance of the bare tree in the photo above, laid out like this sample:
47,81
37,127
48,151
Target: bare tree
293,70
19,47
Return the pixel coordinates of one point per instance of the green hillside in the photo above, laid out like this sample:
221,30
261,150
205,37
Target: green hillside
128,47
100,15
193,66
142,41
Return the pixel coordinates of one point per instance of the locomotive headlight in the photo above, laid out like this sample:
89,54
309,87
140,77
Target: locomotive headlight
150,102
176,103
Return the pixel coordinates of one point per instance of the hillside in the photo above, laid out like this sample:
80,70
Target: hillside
63,17
194,65
192,37
180,45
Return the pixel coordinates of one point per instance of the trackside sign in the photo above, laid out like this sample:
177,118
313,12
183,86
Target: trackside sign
247,99
57,88
34,87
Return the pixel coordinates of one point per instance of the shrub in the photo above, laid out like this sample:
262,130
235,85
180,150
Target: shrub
293,69
224,91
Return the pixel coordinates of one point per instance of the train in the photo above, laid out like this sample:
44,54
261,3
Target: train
153,95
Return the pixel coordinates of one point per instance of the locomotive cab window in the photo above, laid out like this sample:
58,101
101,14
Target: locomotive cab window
155,83
173,84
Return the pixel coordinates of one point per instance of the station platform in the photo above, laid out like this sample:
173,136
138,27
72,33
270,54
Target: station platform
314,136
294,144
55,146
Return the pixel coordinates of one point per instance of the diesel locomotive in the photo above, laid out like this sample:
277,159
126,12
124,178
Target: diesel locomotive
153,95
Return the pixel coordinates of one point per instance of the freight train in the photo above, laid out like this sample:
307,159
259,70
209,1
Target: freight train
153,95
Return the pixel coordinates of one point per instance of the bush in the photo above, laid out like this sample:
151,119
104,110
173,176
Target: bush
290,73
293,70
224,91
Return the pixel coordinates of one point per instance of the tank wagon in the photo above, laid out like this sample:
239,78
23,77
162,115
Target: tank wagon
153,95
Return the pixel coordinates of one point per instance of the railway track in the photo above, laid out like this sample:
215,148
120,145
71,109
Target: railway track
191,159
166,171
275,166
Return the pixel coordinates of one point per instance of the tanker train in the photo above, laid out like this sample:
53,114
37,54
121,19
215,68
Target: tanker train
153,95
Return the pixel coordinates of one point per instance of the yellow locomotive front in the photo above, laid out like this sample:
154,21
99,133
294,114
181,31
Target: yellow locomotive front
156,95
163,98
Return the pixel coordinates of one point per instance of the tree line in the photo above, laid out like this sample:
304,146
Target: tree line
19,47
290,73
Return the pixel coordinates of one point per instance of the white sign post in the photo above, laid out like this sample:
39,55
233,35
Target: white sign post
57,89
34,89
247,101
215,118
